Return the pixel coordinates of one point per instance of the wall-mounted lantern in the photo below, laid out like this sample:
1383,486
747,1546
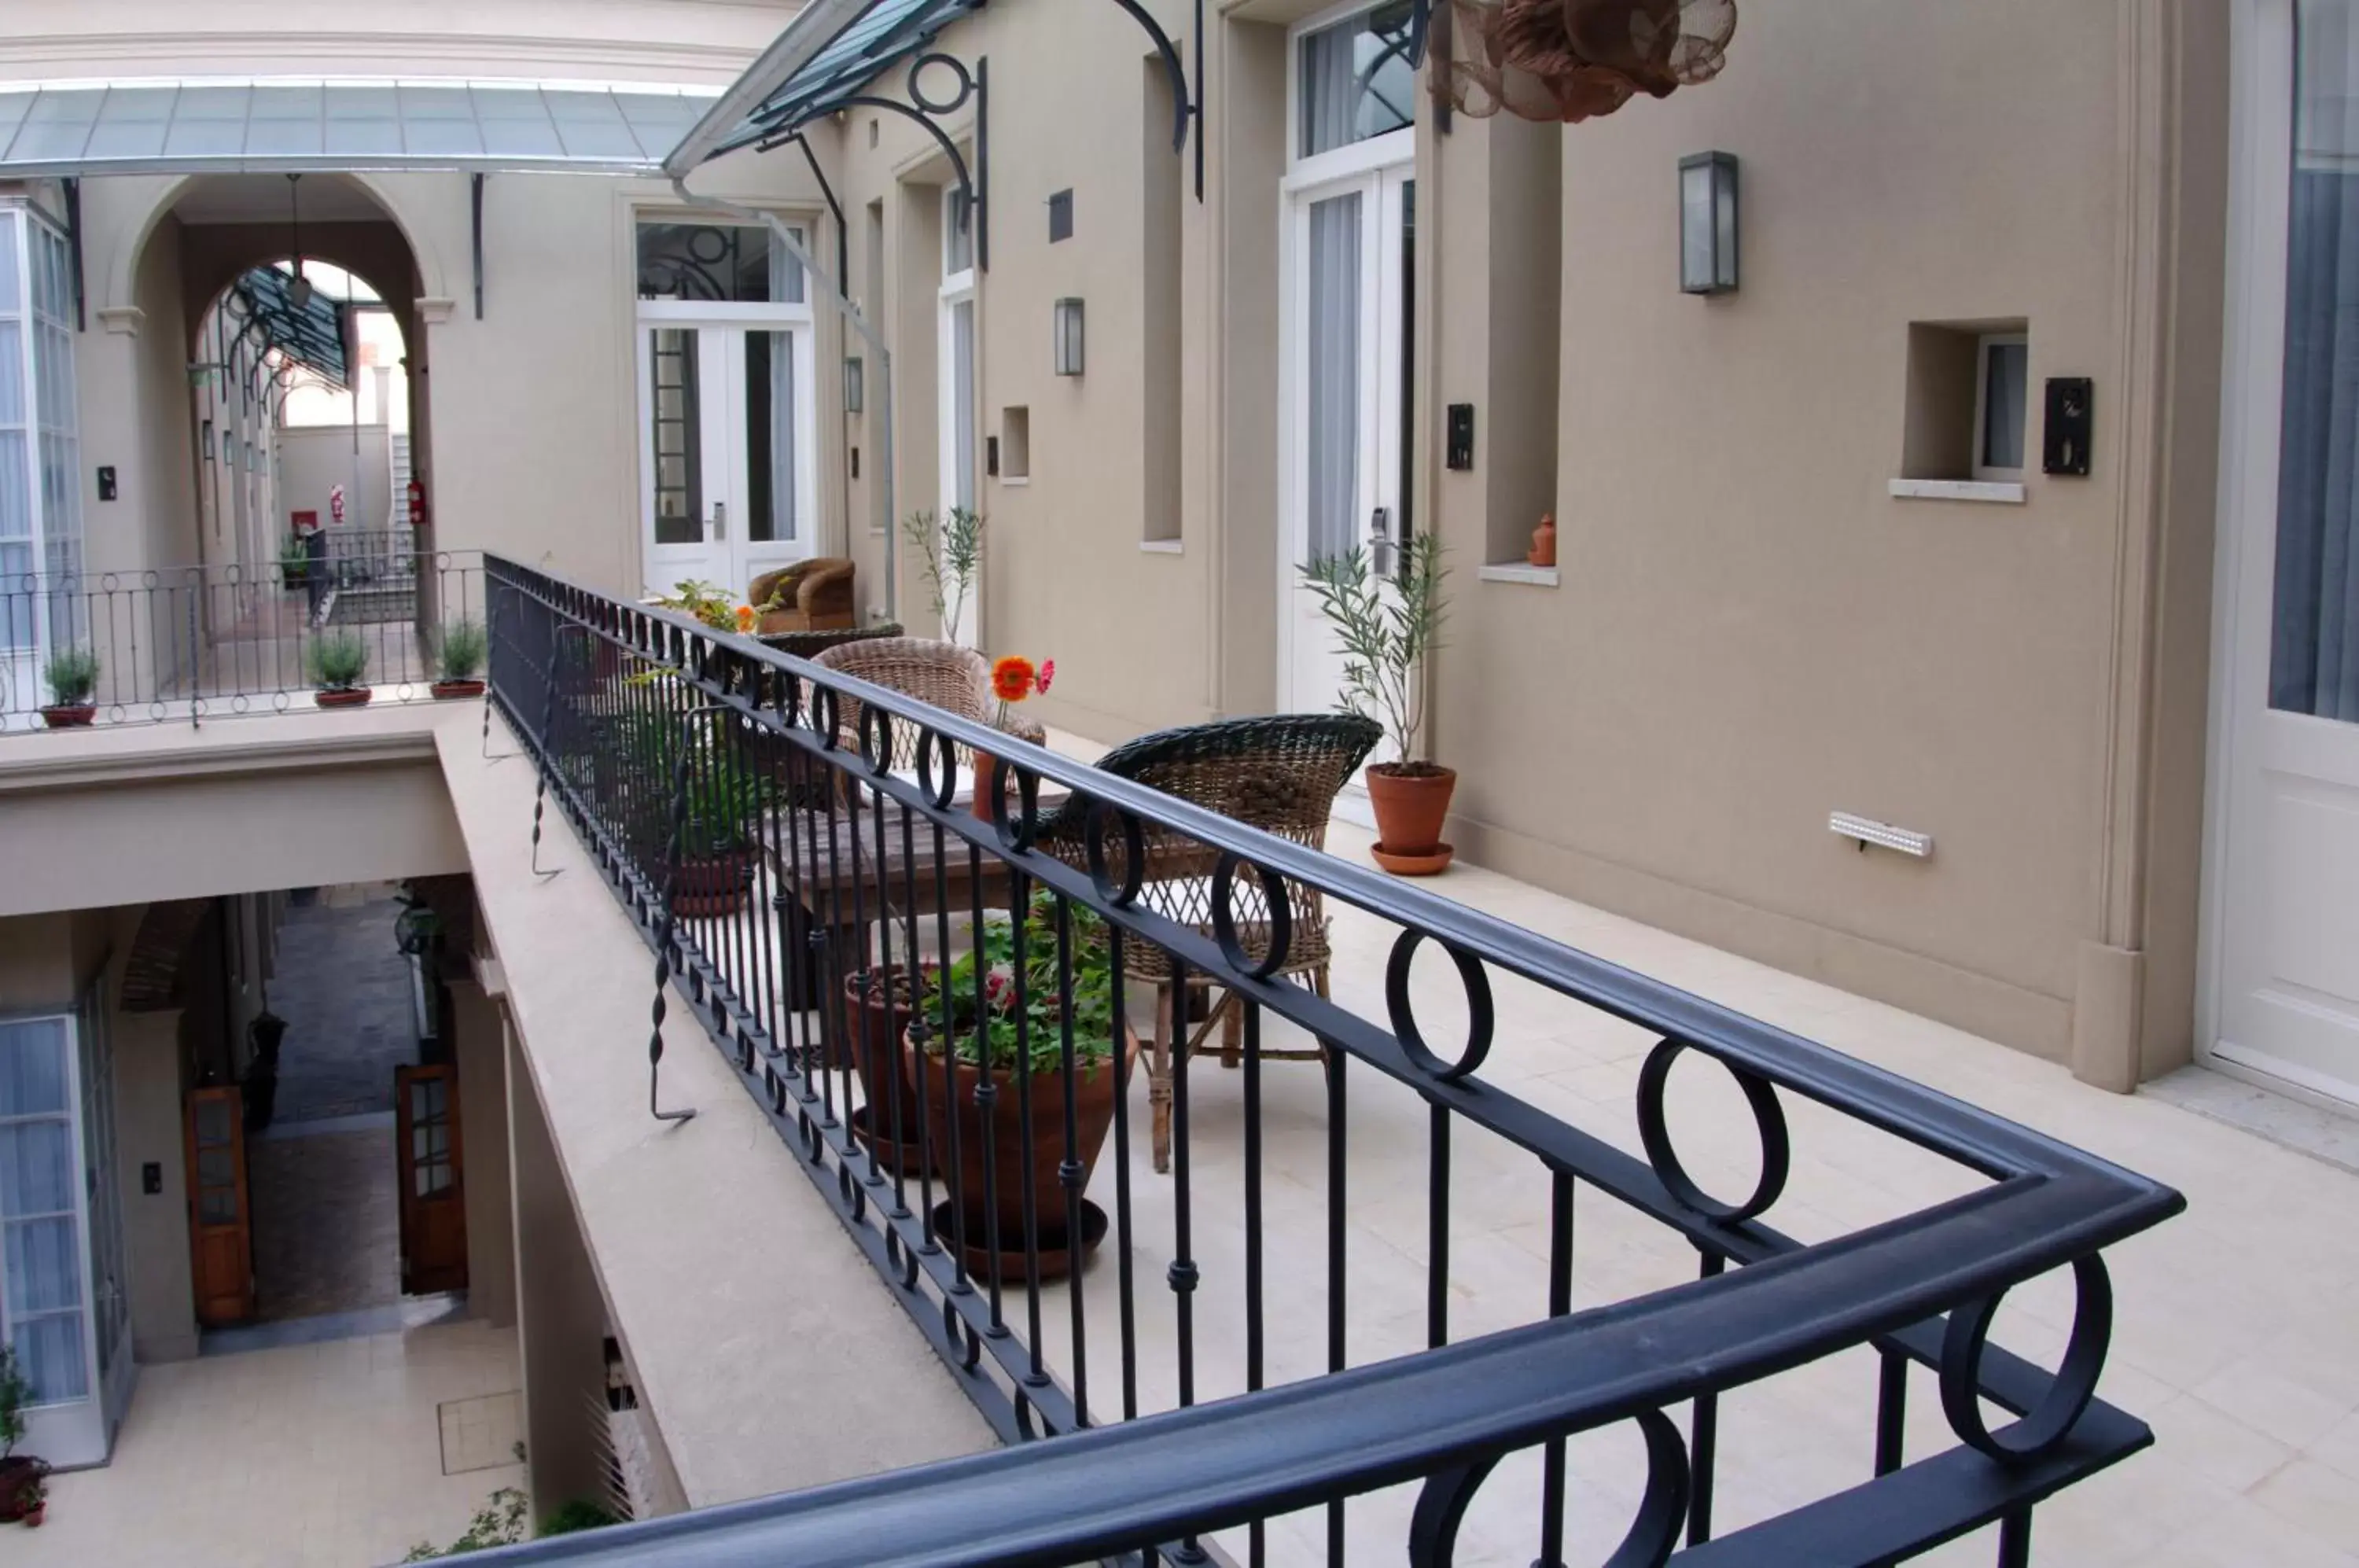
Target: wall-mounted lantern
1069,337
1708,223
854,385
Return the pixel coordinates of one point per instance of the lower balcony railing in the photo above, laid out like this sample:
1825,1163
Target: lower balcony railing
1272,1356
185,644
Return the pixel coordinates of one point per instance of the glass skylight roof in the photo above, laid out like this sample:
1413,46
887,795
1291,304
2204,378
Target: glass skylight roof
266,127
885,34
314,333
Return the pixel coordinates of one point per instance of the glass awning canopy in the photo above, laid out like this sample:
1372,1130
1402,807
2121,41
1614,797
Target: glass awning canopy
289,127
312,333
886,33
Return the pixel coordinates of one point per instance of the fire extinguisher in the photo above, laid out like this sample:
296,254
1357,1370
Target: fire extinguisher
417,503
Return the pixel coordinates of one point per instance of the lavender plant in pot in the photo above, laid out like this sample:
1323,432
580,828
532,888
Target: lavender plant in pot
1385,627
459,658
338,660
72,675
983,1022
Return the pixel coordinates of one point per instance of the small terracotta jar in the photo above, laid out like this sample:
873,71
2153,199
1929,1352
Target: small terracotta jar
1543,550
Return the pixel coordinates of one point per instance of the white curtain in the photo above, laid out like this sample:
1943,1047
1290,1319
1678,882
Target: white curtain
40,1260
1330,88
1333,310
2314,641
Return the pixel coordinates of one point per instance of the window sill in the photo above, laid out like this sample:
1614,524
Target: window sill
1159,546
1519,571
1986,490
1015,478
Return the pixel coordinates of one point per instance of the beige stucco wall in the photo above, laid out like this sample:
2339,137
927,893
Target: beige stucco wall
318,458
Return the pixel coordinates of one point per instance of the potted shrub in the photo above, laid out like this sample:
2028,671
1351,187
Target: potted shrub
459,658
72,675
986,1046
722,809
294,561
1384,628
338,661
23,1494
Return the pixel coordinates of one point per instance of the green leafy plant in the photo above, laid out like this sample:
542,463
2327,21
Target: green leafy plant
72,675
576,1517
714,606
462,649
951,555
294,561
338,660
15,1393
726,792
499,1523
1385,629
985,1028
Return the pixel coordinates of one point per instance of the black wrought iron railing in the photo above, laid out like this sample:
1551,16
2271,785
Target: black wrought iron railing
185,644
1352,1322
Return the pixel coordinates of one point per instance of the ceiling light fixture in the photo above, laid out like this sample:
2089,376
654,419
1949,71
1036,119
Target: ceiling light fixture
298,292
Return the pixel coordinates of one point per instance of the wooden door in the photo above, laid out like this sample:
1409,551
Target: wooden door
433,1187
221,1222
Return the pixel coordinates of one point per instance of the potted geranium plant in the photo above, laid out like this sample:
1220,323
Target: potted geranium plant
1013,679
72,675
459,658
1384,627
1012,1035
339,659
23,1492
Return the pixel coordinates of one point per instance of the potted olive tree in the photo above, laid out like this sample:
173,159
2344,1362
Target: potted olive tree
1012,1035
72,675
1384,627
23,1490
459,658
338,661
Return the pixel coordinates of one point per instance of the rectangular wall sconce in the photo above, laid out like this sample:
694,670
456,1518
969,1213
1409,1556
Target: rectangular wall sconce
1458,450
1708,223
1060,216
1884,835
855,385
1069,337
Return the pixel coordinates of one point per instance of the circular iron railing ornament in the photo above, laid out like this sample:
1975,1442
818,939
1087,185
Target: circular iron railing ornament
1769,1120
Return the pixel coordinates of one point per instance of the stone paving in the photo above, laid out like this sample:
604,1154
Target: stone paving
344,992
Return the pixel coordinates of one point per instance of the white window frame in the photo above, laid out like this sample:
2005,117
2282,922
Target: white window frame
79,1163
1354,158
1981,470
958,289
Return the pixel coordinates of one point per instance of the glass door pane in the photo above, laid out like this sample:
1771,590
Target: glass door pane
41,1256
2314,641
771,404
1332,374
675,436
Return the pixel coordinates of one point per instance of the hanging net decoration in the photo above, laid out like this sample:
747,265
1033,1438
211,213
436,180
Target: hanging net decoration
1574,60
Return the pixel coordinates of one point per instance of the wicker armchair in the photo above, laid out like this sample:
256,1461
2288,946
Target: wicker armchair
1279,774
954,679
812,596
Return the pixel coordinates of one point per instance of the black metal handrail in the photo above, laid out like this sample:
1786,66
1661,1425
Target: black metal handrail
186,644
572,669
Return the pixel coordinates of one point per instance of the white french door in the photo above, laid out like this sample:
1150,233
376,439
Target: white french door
1349,290
956,357
728,444
2282,873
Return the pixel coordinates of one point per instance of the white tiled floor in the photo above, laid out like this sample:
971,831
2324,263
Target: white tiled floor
2237,1336
327,1455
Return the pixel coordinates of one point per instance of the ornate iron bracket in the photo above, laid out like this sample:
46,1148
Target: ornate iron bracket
924,112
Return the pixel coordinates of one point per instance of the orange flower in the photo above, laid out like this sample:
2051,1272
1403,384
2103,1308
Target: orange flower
1011,679
745,618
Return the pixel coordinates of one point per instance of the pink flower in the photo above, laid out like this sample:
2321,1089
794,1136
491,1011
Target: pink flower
999,989
1047,673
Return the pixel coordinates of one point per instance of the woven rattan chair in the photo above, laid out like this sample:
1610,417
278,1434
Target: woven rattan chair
812,596
954,679
1280,774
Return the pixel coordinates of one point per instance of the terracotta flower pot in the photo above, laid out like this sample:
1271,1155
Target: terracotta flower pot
457,689
70,715
877,1013
342,697
986,780
710,885
20,1478
999,1227
1410,809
